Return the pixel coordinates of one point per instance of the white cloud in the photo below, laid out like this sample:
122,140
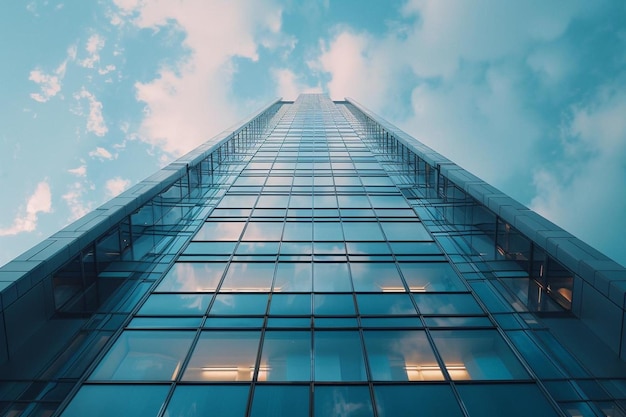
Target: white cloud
39,202
289,85
106,70
101,153
81,171
95,120
50,84
186,105
116,185
95,43
74,200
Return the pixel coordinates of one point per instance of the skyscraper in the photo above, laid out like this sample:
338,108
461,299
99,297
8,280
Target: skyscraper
313,261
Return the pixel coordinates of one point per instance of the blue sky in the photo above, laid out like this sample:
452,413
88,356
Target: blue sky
97,95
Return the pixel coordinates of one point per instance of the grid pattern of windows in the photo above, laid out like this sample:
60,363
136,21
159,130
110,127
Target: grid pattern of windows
312,289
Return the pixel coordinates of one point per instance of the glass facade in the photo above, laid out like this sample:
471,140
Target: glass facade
327,270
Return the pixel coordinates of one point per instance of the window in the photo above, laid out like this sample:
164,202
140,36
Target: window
430,276
176,304
334,305
280,401
248,277
117,400
220,231
432,401
385,304
515,400
447,304
293,277
338,356
353,401
405,231
364,231
291,304
331,277
376,277
192,277
145,355
401,356
239,304
286,356
223,356
477,355
205,400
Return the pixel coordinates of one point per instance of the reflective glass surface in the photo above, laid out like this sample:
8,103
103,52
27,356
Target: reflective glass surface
319,270
145,356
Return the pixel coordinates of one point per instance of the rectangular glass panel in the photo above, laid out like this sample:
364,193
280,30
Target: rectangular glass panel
193,277
239,304
208,400
385,304
298,231
401,400
401,356
176,305
145,355
452,304
223,356
376,277
405,231
263,231
364,231
477,355
334,305
210,248
431,276
338,356
349,401
117,400
331,277
286,356
291,305
280,401
293,277
220,231
327,231
248,277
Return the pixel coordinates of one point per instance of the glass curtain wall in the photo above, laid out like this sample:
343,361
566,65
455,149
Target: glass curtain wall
312,289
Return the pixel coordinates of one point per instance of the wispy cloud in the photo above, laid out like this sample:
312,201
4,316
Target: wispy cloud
95,119
94,45
106,70
50,83
101,153
26,221
74,198
80,171
116,186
